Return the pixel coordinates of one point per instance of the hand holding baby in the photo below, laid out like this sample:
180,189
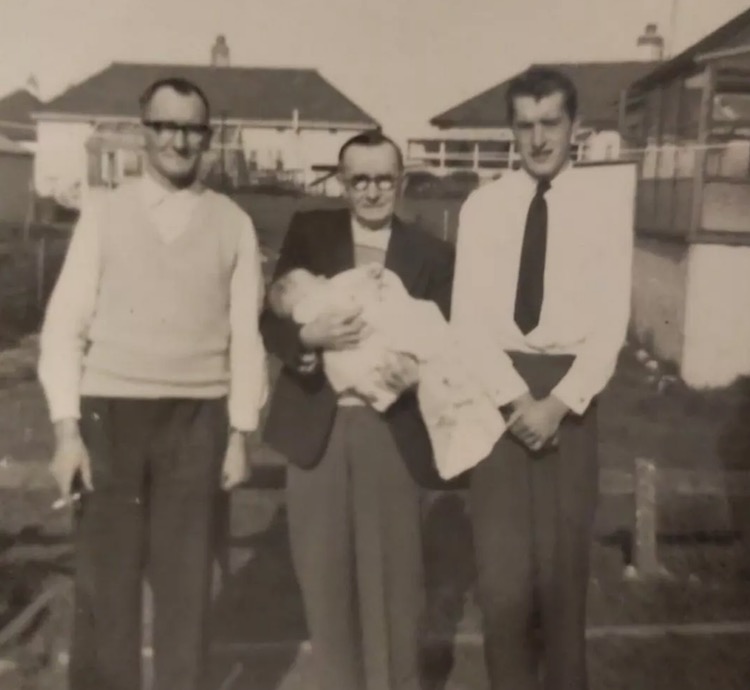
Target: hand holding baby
337,328
334,330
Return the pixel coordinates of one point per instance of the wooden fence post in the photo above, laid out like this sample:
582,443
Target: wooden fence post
645,556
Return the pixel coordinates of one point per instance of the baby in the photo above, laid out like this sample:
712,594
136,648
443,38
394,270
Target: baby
402,335
366,369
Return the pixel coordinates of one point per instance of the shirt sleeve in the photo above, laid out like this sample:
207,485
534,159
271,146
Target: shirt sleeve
248,387
597,358
67,319
469,322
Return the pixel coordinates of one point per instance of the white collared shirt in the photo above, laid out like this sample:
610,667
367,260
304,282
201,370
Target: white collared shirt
369,245
169,210
373,239
586,281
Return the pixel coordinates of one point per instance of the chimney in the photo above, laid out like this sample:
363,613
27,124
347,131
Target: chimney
32,85
220,52
650,44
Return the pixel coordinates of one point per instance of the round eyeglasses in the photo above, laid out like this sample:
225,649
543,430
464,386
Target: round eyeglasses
360,183
167,129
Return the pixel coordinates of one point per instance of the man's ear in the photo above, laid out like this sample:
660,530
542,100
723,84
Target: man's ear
575,128
207,138
340,178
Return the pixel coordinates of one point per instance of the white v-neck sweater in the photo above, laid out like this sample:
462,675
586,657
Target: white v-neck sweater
161,326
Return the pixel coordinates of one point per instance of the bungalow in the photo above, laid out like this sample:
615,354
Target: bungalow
289,122
476,134
16,123
16,165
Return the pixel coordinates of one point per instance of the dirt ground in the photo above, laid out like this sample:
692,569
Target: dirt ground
643,414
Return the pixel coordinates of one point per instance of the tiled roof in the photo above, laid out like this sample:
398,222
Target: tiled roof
237,93
599,85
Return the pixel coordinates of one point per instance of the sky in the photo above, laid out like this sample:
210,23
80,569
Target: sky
403,61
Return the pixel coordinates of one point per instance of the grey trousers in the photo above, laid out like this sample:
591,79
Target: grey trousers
532,516
156,466
354,523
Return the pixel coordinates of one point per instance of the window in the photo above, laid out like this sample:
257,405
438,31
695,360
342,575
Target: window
731,107
95,169
494,154
460,147
495,146
110,173
634,123
459,154
132,163
431,146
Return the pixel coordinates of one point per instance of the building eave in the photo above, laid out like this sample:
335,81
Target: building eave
83,118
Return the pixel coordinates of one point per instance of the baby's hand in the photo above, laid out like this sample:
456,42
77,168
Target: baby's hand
400,373
374,270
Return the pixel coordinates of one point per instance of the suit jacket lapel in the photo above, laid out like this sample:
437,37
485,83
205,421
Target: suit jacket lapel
402,257
341,247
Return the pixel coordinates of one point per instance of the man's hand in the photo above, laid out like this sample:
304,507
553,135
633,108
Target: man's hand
333,331
235,469
536,422
71,458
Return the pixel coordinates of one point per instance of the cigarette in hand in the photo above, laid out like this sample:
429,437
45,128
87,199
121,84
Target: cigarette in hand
66,501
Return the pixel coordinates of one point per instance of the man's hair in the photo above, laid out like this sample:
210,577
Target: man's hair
539,82
374,137
184,87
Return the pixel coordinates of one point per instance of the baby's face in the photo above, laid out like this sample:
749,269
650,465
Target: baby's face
295,286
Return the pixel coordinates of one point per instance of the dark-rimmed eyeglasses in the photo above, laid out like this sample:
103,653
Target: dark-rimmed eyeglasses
168,129
384,183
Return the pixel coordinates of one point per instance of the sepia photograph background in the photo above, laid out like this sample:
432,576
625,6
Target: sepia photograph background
664,88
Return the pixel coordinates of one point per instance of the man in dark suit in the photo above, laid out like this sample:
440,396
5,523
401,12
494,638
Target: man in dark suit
353,484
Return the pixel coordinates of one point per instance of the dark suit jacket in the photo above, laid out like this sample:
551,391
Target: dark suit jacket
303,407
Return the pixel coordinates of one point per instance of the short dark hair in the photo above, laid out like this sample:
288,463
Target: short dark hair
183,86
373,137
539,82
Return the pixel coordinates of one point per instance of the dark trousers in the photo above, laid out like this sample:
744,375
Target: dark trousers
532,516
156,467
354,524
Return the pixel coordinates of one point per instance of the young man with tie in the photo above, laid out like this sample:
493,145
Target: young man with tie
543,283
154,370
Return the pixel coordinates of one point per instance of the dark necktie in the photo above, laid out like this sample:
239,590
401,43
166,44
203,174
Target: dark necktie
530,288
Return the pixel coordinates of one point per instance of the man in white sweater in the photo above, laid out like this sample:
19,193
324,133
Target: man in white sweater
154,371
